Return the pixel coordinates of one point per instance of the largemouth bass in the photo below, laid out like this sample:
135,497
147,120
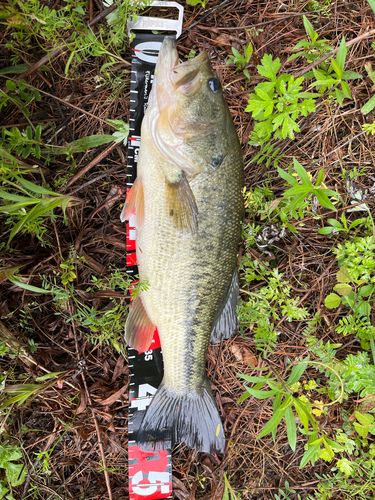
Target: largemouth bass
188,204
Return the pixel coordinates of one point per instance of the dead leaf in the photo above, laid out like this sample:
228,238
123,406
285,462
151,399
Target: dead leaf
249,357
119,368
115,242
236,351
92,263
83,403
244,354
114,396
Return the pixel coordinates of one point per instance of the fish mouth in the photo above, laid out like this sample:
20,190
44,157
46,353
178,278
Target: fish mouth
181,74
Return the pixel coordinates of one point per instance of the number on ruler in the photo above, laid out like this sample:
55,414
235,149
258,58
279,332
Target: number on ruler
162,478
145,393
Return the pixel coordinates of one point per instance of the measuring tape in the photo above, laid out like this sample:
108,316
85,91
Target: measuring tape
150,473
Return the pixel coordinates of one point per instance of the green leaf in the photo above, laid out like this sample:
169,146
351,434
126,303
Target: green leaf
254,380
295,204
362,431
326,230
91,141
343,289
3,490
312,454
244,396
16,473
297,372
341,54
47,376
260,394
297,190
323,199
272,423
346,90
343,275
308,27
351,75
369,106
366,291
320,177
10,85
332,301
36,189
302,174
344,465
337,69
291,429
364,418
18,68
335,223
301,411
287,177
26,286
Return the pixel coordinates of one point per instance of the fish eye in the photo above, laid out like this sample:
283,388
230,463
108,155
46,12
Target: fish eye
214,85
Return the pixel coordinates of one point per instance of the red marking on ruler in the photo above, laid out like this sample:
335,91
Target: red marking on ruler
150,476
131,259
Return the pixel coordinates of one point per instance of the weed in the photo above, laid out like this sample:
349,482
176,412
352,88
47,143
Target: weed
197,2
313,49
355,289
267,304
286,395
335,75
277,103
241,60
337,226
229,493
15,473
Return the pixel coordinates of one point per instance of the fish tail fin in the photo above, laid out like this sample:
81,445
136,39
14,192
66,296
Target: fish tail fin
191,418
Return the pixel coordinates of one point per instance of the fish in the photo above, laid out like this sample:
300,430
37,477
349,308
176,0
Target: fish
188,204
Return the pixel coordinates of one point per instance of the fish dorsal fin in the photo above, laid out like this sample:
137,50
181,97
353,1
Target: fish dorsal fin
226,322
181,205
135,203
139,330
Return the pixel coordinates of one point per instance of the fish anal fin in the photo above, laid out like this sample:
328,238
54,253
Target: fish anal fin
139,330
226,322
135,203
181,205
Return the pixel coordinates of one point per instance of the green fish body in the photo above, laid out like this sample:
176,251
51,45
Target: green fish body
189,208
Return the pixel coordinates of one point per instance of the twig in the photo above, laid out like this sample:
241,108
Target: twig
332,53
96,178
92,163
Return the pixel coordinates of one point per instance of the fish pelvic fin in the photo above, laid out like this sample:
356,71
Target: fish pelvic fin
139,330
226,322
181,204
135,203
192,418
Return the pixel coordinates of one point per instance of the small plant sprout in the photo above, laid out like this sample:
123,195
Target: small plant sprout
313,49
370,105
337,226
335,76
241,60
300,191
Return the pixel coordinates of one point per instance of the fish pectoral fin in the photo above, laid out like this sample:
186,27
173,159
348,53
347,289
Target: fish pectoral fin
139,330
135,203
226,321
181,204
